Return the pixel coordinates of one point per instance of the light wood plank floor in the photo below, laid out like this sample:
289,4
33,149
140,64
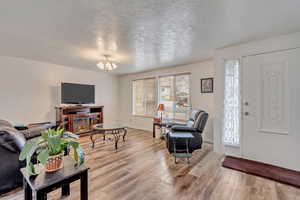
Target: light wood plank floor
143,169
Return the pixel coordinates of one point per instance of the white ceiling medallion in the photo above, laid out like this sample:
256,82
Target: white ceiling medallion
107,65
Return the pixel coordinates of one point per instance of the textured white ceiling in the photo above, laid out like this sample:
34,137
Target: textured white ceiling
139,34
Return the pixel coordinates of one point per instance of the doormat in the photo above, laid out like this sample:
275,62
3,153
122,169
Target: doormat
282,175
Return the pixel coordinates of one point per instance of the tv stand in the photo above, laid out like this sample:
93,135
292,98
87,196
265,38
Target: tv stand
79,119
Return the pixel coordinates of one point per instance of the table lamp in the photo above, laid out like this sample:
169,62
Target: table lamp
161,108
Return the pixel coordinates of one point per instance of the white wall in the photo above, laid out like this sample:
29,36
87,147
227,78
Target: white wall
240,51
30,90
202,101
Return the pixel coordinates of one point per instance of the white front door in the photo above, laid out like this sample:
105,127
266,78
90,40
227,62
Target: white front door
271,108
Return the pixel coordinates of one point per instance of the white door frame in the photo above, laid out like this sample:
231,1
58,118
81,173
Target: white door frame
269,45
242,96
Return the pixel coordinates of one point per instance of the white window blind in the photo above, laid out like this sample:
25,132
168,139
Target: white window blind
144,95
232,112
174,93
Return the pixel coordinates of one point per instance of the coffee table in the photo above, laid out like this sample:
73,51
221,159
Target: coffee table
117,130
45,182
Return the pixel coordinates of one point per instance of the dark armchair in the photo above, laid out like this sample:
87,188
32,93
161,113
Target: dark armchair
195,125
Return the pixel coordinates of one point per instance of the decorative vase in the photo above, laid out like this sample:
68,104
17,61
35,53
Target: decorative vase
54,163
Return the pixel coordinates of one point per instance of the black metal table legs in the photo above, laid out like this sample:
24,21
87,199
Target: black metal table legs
116,133
65,190
182,155
27,190
84,186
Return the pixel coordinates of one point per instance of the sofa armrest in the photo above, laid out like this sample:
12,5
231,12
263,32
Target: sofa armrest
44,125
33,132
20,128
183,128
14,136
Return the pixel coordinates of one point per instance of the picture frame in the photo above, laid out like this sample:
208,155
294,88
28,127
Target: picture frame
207,85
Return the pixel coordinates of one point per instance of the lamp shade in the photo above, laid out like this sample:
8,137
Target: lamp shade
161,107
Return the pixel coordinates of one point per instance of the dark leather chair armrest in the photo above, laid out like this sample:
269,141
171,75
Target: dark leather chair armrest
171,124
183,128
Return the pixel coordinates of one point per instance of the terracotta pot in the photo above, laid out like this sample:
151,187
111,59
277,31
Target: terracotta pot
54,163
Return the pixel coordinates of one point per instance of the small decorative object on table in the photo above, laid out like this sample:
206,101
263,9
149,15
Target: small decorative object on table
49,149
156,120
161,109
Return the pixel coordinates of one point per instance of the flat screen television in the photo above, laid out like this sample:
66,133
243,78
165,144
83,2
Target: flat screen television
72,93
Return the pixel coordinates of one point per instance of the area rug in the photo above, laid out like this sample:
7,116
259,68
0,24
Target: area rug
272,172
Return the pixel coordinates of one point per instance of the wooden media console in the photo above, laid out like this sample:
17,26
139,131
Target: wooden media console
79,119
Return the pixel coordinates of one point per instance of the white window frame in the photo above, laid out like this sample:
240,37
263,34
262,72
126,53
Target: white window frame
236,142
133,98
174,92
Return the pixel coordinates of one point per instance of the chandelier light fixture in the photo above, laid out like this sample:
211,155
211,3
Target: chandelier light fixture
106,65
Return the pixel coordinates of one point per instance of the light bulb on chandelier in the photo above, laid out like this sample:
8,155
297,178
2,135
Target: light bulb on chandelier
107,65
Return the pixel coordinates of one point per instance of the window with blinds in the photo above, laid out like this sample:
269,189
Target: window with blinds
174,93
144,97
232,105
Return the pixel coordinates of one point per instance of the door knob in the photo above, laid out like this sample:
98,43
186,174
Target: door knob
246,104
246,113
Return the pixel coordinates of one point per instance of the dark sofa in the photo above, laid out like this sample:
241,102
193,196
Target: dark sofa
11,143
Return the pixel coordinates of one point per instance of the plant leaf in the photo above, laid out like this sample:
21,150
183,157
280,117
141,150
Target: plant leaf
60,131
28,146
80,153
68,134
30,169
54,145
76,155
43,156
75,146
45,135
30,166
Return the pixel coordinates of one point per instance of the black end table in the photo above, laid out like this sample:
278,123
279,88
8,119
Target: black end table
181,153
46,182
158,124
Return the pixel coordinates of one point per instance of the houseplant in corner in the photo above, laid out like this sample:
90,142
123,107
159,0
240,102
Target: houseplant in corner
49,148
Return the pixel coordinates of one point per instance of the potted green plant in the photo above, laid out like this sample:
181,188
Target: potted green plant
49,148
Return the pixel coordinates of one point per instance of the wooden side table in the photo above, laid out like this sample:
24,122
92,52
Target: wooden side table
44,182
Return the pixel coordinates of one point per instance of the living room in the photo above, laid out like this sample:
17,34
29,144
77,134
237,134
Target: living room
149,100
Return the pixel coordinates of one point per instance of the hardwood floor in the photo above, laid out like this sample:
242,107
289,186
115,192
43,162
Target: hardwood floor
143,169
